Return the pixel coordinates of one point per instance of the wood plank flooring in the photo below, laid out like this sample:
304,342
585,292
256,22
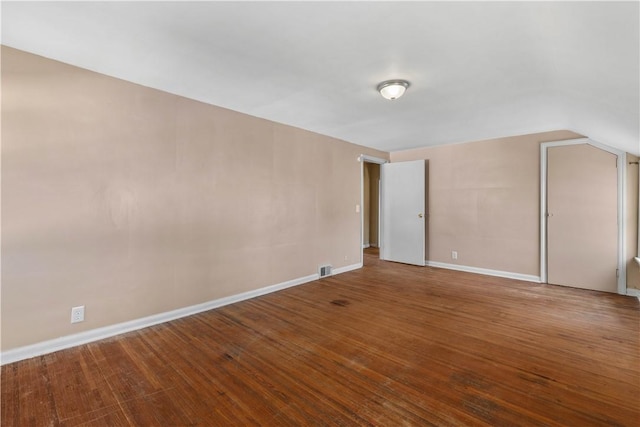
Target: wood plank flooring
387,345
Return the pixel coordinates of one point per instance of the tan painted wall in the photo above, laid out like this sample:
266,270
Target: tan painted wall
484,200
133,201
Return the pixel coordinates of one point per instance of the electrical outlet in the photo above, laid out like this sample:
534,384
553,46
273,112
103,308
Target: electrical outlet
454,254
77,314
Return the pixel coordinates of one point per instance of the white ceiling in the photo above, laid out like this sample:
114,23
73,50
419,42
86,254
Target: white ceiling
477,70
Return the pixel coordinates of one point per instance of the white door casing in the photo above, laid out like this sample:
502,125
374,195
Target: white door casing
363,158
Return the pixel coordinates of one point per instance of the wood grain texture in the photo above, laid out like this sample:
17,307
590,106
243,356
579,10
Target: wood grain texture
387,345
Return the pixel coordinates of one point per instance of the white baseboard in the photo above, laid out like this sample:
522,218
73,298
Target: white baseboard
507,274
488,272
365,245
50,346
346,268
633,292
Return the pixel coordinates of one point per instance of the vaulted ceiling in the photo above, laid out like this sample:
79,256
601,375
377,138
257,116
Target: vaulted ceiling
477,69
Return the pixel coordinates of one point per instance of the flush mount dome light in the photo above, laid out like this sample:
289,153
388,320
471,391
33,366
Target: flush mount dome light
393,89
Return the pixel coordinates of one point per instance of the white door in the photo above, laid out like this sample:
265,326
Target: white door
403,212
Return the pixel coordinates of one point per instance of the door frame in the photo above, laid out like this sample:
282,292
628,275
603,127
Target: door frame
621,163
363,158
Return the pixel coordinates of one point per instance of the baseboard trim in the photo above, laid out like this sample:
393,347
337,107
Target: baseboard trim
346,268
486,271
633,293
57,344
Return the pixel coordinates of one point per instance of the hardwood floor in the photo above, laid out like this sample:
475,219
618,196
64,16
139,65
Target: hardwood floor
387,345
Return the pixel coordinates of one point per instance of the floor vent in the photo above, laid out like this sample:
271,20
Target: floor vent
325,270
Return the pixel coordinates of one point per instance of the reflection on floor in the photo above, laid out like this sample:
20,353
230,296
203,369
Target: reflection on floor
371,255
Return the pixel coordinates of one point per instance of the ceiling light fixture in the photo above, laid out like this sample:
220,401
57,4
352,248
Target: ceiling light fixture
393,89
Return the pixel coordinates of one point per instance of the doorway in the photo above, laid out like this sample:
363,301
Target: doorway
371,209
392,210
371,205
581,209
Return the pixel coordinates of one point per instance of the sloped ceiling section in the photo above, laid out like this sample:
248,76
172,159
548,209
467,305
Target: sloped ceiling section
478,70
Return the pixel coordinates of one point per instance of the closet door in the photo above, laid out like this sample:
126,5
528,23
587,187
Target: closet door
582,217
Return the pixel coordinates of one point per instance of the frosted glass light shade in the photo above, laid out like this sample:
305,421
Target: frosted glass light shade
393,89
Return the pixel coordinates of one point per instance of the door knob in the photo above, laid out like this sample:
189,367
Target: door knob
420,215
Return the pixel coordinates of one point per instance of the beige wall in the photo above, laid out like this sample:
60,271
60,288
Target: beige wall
132,201
484,200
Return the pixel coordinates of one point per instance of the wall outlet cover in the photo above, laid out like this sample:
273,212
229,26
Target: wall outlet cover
77,314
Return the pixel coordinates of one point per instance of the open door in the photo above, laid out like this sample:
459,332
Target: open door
403,212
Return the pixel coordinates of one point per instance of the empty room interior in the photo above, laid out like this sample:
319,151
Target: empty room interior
320,213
